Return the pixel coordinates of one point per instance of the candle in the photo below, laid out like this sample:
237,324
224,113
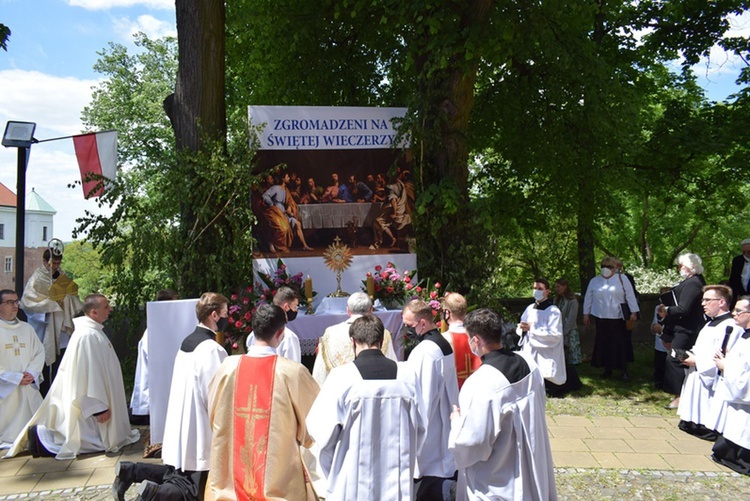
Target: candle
308,287
370,286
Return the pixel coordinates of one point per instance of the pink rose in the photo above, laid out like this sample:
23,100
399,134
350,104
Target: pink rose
389,289
437,285
419,289
238,324
247,316
378,268
433,295
235,346
407,279
409,287
233,297
249,289
368,274
245,300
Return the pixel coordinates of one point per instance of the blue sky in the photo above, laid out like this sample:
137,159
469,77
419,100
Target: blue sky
47,74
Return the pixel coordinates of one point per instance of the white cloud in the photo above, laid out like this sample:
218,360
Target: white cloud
55,104
111,4
152,27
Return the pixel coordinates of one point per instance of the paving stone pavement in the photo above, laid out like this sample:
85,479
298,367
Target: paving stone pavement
595,458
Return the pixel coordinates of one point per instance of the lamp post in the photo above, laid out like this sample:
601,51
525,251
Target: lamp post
20,135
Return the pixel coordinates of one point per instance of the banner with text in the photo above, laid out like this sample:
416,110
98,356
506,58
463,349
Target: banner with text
333,174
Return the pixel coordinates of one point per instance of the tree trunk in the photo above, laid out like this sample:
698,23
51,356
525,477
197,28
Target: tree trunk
197,111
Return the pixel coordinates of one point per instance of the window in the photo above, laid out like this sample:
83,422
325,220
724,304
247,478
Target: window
2,231
44,233
8,264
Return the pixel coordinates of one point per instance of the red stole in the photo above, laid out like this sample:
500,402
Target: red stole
253,397
466,362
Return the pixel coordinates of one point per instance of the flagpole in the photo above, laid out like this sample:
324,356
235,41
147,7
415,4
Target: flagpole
74,135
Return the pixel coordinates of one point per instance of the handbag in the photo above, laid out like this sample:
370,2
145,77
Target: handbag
625,308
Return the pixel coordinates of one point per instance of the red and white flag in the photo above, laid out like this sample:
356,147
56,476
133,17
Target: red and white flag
97,155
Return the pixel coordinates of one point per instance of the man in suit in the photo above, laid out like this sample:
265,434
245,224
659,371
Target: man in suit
739,277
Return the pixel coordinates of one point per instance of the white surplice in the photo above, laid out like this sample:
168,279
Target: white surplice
368,433
697,402
20,351
335,349
187,432
288,348
735,390
89,381
438,383
500,442
139,398
544,341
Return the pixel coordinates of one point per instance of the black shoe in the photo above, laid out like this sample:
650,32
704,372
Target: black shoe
147,491
33,442
124,478
36,447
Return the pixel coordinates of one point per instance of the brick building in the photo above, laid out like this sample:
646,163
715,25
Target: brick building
39,230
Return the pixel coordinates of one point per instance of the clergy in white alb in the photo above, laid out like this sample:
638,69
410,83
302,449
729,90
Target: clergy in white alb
287,300
701,414
258,404
499,431
732,448
367,422
52,293
85,409
432,361
21,363
335,346
541,334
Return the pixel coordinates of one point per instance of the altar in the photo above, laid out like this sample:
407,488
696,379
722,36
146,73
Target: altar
309,328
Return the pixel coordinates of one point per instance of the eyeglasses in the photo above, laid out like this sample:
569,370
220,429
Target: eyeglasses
739,312
11,302
708,299
610,267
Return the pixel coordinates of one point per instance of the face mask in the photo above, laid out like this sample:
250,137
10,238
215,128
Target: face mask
410,332
475,349
538,294
606,272
291,315
221,324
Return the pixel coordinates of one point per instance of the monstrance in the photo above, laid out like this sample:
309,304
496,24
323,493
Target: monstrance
338,257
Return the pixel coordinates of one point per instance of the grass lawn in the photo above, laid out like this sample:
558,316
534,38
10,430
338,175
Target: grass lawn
613,397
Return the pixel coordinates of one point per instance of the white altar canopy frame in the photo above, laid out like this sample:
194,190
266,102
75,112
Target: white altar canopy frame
168,323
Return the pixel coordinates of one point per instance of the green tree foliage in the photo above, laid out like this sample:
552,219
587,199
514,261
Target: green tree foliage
4,36
84,265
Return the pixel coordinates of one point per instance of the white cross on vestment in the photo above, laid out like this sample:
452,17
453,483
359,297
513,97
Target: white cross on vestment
15,346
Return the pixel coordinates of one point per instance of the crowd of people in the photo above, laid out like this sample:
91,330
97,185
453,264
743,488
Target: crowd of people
463,417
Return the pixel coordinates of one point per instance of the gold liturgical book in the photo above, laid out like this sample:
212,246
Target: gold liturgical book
62,287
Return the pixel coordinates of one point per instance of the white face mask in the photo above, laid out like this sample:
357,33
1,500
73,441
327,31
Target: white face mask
606,272
538,294
476,353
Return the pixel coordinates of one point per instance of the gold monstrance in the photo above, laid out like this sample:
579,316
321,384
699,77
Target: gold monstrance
338,257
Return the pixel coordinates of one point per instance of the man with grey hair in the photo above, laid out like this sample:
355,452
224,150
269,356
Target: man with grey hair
335,346
739,277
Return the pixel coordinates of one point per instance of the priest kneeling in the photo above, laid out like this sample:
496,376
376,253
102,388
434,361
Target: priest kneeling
499,434
21,362
85,410
364,408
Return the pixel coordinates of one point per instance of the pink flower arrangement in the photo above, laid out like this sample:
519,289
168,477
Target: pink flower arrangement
390,286
241,309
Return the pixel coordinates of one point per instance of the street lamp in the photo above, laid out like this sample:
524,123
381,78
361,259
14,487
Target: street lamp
20,135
